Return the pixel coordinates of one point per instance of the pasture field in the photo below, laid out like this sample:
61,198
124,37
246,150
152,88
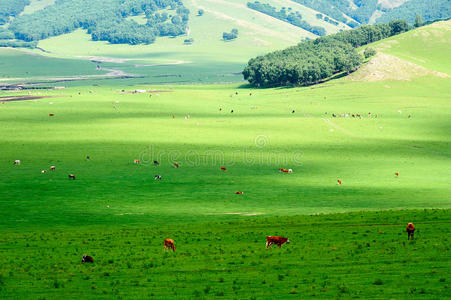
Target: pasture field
348,240
353,255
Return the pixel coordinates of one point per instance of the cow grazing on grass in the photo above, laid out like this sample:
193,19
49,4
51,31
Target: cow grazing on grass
168,244
293,111
88,158
231,111
410,230
283,170
43,171
51,115
72,176
339,181
136,162
52,168
276,240
239,193
17,162
176,165
223,169
157,177
156,163
397,174
290,170
87,259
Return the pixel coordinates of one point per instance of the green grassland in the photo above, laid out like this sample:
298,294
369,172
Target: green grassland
358,255
118,213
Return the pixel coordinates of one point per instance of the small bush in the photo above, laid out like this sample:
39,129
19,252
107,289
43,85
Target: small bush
378,282
369,52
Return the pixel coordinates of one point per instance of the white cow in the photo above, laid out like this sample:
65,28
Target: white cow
17,162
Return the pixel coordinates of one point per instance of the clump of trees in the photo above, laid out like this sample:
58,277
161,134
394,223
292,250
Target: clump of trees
294,18
200,12
227,36
105,20
368,52
11,8
312,61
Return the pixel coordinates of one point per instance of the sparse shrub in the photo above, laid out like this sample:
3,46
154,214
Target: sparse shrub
369,52
378,282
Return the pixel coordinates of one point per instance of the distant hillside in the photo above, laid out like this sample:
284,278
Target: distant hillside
143,21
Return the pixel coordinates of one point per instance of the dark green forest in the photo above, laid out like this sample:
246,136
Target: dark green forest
312,61
428,10
289,16
11,8
105,20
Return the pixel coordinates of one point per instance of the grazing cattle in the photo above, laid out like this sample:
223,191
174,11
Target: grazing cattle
72,176
136,161
52,168
168,244
157,177
396,174
43,171
17,162
339,181
156,163
410,230
176,165
87,259
293,111
290,170
276,240
220,109
231,111
239,193
223,169
88,158
51,115
283,170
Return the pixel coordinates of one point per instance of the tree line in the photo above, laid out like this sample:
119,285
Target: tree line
294,18
312,61
105,20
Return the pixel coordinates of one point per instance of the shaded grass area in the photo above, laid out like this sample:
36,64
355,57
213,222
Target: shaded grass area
358,255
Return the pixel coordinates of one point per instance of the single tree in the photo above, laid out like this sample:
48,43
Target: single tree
418,21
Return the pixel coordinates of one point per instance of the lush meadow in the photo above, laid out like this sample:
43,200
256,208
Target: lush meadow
347,240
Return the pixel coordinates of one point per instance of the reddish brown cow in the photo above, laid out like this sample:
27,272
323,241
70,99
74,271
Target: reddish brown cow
223,168
283,170
176,165
169,244
410,230
276,240
239,193
339,181
397,174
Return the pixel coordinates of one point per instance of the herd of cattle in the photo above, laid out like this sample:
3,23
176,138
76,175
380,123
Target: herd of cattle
169,244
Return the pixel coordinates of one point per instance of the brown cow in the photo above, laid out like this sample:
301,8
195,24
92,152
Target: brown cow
276,240
176,165
410,230
223,168
283,170
239,193
339,181
397,174
169,244
72,176
87,259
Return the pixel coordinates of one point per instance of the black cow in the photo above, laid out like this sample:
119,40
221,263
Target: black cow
87,259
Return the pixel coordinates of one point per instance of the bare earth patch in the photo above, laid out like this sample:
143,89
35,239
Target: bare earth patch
387,67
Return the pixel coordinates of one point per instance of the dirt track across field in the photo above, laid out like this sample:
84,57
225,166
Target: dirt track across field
23,98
